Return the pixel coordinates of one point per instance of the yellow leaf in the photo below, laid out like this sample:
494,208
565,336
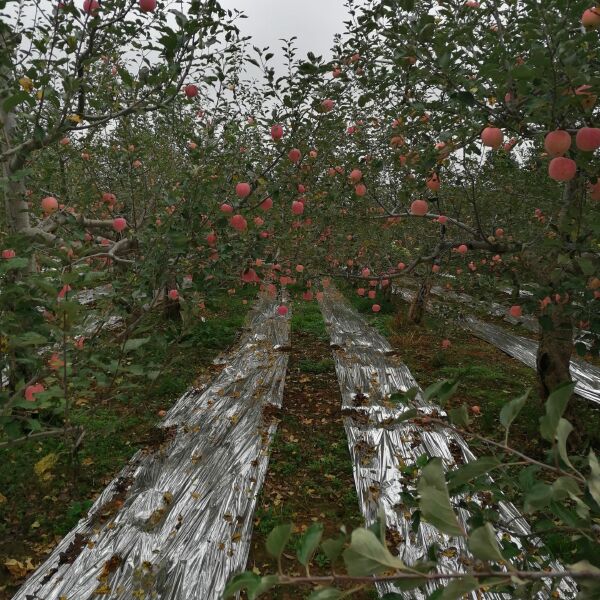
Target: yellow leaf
74,118
26,83
2,498
44,466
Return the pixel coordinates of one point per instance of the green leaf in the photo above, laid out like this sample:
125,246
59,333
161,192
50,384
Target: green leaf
484,545
555,407
326,594
562,433
309,543
134,344
434,501
459,416
471,470
538,497
29,338
563,487
511,410
243,581
594,480
442,391
278,538
457,588
368,556
333,548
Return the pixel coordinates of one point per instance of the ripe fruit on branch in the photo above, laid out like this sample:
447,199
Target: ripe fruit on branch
226,208
562,169
419,208
433,183
492,137
360,190
147,5
327,104
119,224
282,310
499,232
91,7
355,175
191,90
294,155
211,238
557,142
276,132
49,204
266,204
297,207
462,249
375,308
243,189
173,295
8,253
591,18
588,139
238,222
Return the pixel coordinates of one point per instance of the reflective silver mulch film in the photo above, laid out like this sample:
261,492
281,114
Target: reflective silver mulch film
369,372
176,522
586,375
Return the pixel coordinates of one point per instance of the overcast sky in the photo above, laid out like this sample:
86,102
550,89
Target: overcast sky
314,22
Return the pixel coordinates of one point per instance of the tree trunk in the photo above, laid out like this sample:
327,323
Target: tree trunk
419,304
554,351
15,204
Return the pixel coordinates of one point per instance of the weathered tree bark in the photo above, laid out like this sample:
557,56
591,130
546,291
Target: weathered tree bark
419,304
554,352
556,343
15,204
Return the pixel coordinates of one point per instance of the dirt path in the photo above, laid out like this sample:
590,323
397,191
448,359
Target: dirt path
310,472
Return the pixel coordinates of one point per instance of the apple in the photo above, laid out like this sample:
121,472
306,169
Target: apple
562,169
327,104
297,207
360,190
462,249
588,139
211,238
173,295
294,155
147,5
91,7
355,175
433,183
238,222
119,224
191,90
375,308
49,204
515,311
492,137
8,253
557,142
276,132
282,310
419,208
266,204
591,18
243,189
226,208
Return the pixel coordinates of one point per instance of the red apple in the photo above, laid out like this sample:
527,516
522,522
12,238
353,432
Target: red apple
562,169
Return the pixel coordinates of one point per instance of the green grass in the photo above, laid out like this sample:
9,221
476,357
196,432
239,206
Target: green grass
311,366
306,317
115,427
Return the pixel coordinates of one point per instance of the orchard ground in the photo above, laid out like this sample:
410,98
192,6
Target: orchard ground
36,511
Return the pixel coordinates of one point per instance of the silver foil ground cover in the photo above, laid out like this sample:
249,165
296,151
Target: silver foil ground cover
585,375
368,373
182,519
